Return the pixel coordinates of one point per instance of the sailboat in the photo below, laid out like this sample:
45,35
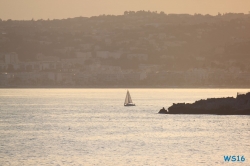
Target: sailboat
128,100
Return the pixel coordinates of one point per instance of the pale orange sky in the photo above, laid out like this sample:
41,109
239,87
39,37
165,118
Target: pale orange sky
58,9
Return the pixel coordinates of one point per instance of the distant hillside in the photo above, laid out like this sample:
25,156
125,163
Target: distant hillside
176,41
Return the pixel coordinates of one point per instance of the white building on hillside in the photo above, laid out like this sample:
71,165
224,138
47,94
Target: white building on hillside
102,54
85,55
11,58
107,54
41,57
115,55
138,56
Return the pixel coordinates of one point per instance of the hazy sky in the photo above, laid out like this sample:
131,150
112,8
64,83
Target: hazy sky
44,9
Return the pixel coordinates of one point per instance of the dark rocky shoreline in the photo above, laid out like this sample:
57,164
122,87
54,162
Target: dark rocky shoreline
216,106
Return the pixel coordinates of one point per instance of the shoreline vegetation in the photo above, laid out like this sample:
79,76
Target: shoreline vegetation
127,86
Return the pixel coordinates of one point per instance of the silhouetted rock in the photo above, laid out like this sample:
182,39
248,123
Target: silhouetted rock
219,106
163,111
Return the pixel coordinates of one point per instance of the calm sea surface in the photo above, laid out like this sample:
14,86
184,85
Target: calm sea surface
85,127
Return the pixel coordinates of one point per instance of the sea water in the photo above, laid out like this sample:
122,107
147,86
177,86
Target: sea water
86,127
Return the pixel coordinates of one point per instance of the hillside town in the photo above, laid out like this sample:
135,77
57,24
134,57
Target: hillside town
137,49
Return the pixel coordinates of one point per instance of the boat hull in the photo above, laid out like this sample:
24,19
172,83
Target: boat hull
129,104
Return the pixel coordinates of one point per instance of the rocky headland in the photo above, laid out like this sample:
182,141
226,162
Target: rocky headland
218,106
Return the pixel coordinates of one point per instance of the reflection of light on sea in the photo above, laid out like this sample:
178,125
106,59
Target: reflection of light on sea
34,127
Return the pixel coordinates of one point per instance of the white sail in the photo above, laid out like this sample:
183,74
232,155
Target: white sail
129,98
126,99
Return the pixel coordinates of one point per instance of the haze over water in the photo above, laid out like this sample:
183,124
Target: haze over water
92,127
